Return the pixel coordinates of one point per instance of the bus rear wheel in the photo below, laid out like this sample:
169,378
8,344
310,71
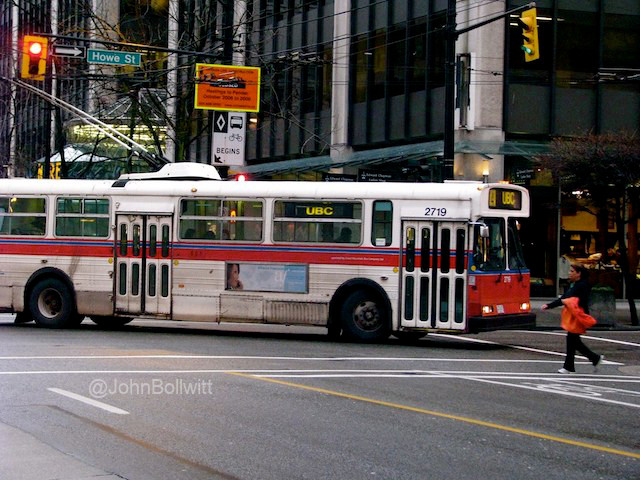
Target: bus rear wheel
51,304
364,317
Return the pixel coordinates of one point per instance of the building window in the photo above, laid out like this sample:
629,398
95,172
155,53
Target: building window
360,57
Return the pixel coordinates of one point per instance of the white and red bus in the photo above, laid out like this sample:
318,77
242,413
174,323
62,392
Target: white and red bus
364,259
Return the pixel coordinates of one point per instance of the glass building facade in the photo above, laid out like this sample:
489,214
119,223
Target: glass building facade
586,81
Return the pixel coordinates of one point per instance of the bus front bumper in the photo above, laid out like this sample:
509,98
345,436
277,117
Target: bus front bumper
522,321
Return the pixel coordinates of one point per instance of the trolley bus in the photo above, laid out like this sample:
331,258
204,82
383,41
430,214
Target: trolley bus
362,259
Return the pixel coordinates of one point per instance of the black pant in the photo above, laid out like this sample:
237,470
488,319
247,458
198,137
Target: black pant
575,343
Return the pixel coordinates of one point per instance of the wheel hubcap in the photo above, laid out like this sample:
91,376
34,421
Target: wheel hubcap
367,315
50,303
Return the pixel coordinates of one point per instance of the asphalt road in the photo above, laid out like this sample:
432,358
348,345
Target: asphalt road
196,402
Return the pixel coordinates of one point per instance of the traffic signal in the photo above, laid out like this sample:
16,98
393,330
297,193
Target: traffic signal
529,26
34,57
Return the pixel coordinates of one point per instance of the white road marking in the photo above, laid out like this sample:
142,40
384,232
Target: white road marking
572,385
542,388
353,372
250,357
601,339
223,370
516,347
89,401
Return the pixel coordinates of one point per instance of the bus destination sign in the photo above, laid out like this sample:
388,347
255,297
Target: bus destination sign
505,199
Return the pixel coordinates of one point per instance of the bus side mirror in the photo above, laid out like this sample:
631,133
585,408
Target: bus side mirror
484,231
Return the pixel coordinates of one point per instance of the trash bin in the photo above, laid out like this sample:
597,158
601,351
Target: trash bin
602,305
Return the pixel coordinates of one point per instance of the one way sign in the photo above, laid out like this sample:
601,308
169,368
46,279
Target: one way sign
69,51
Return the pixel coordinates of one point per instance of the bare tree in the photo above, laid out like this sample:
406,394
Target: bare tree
606,168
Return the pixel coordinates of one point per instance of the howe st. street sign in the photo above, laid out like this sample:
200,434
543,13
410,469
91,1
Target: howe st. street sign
113,57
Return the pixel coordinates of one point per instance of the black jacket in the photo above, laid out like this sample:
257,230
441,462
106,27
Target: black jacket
580,289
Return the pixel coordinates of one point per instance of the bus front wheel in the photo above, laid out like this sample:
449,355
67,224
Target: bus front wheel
364,317
51,304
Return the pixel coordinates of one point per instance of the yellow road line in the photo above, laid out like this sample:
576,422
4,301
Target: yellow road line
458,418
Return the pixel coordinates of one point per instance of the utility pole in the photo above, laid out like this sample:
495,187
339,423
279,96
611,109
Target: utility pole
48,77
446,171
451,35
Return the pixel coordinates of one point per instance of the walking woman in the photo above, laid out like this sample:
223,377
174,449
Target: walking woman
579,288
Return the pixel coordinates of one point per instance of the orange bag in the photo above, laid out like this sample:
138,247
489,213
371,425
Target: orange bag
574,319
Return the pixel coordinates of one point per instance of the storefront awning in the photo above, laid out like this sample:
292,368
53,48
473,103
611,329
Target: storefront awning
380,156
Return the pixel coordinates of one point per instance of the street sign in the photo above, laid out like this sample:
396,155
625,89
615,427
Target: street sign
113,57
227,87
72,51
229,132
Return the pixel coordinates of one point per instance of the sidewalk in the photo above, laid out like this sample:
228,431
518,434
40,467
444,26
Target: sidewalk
550,319
27,458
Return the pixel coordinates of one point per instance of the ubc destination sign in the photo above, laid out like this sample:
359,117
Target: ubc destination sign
113,57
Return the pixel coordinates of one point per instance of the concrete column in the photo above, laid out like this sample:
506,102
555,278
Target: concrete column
13,144
340,79
172,81
486,46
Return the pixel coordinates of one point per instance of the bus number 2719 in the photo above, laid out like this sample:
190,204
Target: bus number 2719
435,212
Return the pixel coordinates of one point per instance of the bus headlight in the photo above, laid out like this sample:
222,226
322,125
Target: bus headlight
487,309
525,307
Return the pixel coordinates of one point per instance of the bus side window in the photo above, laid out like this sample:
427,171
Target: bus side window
317,222
217,219
23,216
382,223
516,257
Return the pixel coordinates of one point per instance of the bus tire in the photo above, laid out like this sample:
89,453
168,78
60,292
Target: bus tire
334,330
364,317
52,305
110,322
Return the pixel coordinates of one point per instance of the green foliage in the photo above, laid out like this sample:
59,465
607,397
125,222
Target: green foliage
603,289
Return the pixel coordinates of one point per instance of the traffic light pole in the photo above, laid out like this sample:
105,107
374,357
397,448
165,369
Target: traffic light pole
449,92
451,35
48,82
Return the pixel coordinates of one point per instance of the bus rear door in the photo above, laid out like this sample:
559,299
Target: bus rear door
143,265
433,275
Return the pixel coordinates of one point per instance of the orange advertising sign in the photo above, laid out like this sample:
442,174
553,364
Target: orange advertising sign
227,87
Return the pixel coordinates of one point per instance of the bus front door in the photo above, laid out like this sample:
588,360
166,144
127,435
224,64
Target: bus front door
143,265
434,263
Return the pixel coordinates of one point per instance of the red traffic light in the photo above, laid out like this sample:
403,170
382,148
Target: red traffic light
34,57
35,48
